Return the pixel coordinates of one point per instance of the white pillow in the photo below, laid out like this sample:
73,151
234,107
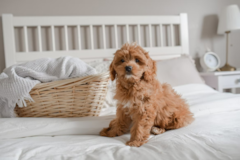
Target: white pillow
178,71
103,66
100,65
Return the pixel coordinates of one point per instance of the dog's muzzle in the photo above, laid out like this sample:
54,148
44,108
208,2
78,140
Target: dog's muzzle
128,68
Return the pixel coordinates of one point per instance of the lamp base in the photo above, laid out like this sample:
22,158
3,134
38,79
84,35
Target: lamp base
227,67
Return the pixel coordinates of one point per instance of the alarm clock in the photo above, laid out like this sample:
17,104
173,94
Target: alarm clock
210,61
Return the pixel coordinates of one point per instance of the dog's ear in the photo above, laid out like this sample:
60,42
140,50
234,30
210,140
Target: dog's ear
150,73
112,71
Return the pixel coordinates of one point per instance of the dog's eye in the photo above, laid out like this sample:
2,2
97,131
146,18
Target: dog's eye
122,60
137,60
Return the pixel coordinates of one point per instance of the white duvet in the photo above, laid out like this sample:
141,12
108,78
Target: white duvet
215,134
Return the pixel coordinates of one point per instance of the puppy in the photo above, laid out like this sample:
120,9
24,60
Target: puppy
151,107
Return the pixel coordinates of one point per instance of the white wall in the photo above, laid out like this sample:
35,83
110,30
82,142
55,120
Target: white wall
202,18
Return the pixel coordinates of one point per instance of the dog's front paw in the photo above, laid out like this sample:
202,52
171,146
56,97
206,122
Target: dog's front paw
104,132
135,143
110,132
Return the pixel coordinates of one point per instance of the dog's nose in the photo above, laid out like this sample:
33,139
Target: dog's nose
128,68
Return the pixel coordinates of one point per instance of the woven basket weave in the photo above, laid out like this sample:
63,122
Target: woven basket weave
78,97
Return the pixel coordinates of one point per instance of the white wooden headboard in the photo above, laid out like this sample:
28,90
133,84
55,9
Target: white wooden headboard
149,32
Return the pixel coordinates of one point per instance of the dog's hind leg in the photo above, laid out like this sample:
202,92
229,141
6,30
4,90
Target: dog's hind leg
156,130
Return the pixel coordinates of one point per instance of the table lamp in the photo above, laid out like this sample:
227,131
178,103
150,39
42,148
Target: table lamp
229,20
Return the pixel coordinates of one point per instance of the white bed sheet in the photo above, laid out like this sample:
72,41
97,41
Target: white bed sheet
215,134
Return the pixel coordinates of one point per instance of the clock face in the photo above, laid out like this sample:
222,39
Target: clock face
211,61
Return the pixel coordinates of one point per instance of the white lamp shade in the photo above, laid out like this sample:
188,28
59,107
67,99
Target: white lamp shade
229,19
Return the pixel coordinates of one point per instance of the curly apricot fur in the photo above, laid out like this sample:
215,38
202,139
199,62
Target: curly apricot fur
142,99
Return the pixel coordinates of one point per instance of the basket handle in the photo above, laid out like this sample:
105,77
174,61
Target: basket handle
69,82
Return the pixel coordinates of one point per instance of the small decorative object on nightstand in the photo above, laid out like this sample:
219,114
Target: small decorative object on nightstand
229,20
222,80
210,61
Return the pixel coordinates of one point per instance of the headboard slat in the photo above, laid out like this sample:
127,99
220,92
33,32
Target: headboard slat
53,38
161,35
127,30
150,35
116,36
104,37
171,34
91,35
139,34
25,38
39,38
79,37
66,37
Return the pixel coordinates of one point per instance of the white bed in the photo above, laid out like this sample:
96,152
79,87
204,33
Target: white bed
215,133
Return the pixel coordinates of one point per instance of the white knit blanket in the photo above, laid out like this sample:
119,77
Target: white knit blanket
17,81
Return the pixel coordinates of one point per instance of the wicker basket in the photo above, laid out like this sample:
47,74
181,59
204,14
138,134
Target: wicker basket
76,97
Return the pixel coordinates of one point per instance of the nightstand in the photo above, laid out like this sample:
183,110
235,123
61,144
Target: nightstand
222,80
